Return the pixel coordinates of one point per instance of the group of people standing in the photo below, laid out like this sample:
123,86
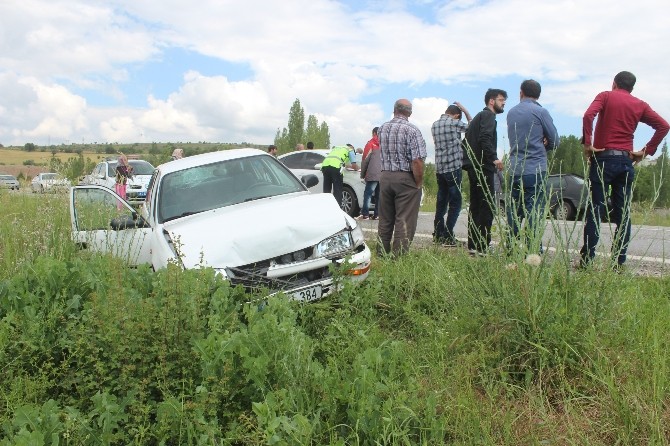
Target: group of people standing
532,134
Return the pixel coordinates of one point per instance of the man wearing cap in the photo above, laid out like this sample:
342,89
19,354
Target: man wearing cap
610,155
333,163
403,151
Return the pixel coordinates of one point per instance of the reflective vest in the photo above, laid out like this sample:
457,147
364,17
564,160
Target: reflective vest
337,157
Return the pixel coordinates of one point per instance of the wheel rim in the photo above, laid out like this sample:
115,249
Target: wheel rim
563,211
347,201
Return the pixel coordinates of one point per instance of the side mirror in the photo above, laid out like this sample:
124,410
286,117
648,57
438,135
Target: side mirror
317,166
310,180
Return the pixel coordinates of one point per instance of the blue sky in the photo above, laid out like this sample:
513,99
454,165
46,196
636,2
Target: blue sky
225,71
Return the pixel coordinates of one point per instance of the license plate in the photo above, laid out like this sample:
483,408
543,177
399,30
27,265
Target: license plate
307,294
141,194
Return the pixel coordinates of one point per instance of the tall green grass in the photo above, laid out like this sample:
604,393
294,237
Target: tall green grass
434,348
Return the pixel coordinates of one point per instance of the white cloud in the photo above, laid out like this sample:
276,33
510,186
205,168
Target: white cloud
346,62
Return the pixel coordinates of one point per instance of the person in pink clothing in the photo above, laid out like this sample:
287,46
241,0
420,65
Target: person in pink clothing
123,172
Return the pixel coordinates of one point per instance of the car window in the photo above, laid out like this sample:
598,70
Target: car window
141,167
311,159
554,182
49,176
95,208
293,161
222,184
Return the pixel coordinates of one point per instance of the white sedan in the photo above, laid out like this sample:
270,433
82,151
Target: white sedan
304,162
240,212
49,182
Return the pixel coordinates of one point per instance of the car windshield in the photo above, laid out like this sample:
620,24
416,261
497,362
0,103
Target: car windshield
213,186
140,167
51,176
7,178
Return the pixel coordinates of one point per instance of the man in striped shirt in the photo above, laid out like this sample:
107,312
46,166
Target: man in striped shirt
447,133
403,152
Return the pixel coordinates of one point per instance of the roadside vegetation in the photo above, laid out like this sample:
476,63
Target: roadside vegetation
434,348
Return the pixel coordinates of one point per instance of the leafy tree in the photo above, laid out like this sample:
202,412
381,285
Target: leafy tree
312,131
296,124
567,157
323,141
29,147
287,138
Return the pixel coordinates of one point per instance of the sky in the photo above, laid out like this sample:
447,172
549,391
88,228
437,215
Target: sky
124,71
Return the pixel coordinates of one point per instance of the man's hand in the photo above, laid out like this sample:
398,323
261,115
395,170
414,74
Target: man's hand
590,150
498,164
638,156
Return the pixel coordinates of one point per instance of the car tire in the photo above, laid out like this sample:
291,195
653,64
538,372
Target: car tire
564,210
349,201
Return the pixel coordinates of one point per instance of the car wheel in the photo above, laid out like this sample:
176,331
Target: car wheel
564,210
349,201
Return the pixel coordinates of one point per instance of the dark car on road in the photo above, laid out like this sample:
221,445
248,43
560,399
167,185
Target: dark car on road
568,196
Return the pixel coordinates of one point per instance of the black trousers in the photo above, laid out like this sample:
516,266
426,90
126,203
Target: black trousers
333,181
480,214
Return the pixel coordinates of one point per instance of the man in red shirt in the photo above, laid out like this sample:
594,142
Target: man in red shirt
611,155
372,144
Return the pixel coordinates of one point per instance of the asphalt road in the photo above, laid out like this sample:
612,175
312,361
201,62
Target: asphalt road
649,244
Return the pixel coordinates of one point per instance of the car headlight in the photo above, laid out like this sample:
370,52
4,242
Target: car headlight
340,242
357,235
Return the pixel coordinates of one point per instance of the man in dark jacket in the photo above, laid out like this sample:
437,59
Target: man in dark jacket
480,160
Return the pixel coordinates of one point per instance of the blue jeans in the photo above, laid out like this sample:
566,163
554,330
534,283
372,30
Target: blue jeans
528,200
613,174
448,197
371,187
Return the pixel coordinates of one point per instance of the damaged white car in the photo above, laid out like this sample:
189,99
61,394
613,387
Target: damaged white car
240,212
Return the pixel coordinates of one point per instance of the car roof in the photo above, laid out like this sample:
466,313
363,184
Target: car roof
323,152
208,158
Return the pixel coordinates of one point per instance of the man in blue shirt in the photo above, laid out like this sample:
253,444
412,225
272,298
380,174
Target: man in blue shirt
531,134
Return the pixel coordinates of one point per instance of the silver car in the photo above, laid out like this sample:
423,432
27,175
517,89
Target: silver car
9,182
305,162
104,174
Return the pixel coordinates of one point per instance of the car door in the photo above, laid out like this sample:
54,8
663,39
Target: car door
103,222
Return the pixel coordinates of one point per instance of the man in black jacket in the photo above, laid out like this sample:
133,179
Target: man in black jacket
480,160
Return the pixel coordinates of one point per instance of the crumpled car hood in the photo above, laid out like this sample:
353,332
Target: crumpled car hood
254,231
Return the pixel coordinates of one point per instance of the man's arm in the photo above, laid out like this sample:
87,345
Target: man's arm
464,110
587,124
549,130
486,130
660,125
417,171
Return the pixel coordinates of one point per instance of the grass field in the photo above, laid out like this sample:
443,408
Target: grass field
434,348
13,157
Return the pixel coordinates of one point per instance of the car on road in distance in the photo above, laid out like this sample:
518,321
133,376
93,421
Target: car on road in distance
240,212
9,182
49,182
104,174
304,162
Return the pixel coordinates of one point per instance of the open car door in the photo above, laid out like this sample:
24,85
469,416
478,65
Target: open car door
103,222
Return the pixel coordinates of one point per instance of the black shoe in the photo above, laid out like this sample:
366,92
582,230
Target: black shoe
451,243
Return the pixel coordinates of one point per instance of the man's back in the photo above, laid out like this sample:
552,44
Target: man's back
447,138
619,113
